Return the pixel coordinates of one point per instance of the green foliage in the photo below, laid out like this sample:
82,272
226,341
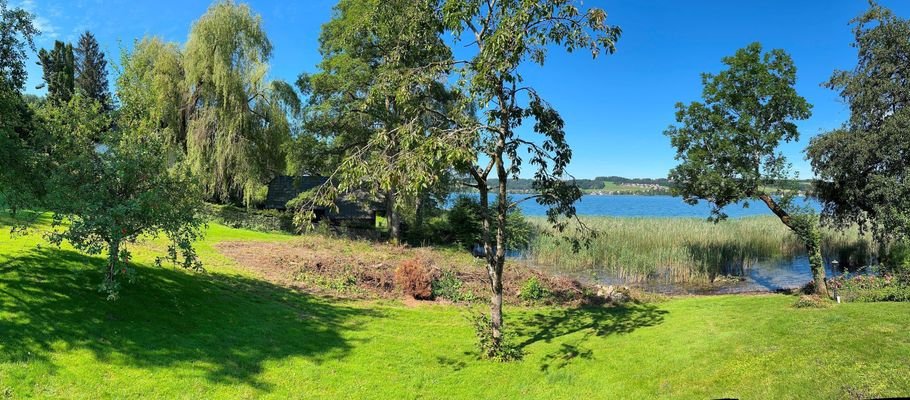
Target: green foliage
105,196
91,71
237,129
379,102
533,291
257,220
59,70
872,288
448,286
861,167
502,349
465,220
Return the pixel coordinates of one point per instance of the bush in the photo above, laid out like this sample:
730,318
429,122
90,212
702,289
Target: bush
870,288
465,224
414,279
449,287
533,291
507,351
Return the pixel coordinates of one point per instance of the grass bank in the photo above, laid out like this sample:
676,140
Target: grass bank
228,334
687,249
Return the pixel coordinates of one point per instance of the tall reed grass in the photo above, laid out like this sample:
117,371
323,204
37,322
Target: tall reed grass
686,249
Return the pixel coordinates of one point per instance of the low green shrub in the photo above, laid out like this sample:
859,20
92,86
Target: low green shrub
533,291
508,350
448,286
257,220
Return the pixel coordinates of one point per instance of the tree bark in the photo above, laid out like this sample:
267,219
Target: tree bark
112,259
810,238
394,218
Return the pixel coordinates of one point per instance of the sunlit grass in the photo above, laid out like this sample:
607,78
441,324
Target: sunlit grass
686,249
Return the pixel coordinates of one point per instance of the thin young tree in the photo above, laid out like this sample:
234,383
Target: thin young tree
501,37
728,145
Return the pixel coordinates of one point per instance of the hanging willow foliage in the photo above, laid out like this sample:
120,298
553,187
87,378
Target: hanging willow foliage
236,129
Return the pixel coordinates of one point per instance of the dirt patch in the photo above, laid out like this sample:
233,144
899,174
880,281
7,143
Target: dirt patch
357,269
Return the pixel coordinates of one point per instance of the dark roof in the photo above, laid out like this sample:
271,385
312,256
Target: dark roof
352,205
285,188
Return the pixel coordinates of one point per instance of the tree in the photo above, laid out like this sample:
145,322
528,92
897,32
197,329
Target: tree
19,143
861,168
104,196
237,129
727,146
91,71
378,100
58,66
503,36
152,91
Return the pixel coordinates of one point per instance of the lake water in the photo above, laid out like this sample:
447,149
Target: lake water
649,206
764,275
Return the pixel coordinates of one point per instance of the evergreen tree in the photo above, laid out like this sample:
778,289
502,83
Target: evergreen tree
58,66
91,71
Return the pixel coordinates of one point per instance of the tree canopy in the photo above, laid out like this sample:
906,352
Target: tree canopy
59,70
862,166
91,71
727,145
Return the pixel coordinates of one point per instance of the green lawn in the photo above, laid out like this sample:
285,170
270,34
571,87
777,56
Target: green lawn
225,334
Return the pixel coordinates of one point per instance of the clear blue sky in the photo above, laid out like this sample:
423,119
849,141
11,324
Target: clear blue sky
615,107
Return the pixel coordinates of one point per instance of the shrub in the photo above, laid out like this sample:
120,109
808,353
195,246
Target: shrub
414,279
449,286
507,351
870,288
533,291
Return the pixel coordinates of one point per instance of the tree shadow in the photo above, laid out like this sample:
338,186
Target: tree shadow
228,326
593,321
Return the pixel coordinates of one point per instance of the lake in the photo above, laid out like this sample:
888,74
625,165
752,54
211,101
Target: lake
649,206
763,275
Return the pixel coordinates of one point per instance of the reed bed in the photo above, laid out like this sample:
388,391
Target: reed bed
686,249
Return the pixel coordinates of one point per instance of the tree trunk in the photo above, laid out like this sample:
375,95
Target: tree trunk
816,264
394,219
810,236
113,258
418,213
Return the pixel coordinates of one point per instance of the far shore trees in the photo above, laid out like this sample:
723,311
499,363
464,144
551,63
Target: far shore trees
727,146
500,37
863,167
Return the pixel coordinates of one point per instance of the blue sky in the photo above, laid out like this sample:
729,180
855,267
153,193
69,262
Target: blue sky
615,107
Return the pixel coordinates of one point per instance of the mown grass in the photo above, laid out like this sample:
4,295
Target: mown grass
687,249
225,334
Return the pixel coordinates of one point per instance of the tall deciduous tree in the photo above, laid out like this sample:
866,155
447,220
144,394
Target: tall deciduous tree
862,167
91,71
380,97
237,128
503,36
727,145
19,159
59,70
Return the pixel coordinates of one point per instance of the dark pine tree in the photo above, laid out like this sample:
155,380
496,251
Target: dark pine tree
91,70
58,67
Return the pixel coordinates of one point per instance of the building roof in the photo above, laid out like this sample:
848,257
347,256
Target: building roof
352,205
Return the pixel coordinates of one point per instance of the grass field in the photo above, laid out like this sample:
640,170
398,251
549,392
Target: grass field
228,334
688,249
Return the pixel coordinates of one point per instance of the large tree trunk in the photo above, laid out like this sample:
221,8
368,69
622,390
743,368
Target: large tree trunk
394,219
810,237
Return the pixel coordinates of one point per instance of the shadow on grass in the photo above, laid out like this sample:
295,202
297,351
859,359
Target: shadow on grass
592,321
226,326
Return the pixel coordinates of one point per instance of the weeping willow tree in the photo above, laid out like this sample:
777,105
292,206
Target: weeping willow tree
152,92
237,127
